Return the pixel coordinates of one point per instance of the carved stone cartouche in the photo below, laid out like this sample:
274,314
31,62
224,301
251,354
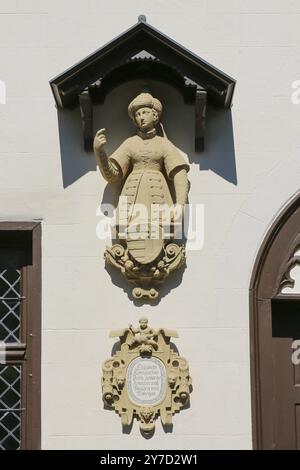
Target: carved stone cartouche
146,378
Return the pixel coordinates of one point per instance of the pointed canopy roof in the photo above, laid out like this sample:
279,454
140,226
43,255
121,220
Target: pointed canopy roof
94,68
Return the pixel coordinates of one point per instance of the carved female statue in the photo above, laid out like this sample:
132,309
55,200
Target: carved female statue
145,162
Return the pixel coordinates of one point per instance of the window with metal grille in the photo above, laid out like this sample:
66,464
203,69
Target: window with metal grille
20,335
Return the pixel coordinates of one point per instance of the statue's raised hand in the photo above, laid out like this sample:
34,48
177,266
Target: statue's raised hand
100,140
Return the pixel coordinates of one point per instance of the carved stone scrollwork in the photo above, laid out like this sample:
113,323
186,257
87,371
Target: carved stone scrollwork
146,378
171,259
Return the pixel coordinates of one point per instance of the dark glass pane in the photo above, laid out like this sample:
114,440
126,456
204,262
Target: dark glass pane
10,404
10,386
9,321
10,420
10,428
10,283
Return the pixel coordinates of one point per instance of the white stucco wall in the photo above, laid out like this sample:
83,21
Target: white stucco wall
256,42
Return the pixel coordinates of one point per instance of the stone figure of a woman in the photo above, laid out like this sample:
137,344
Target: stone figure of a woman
148,164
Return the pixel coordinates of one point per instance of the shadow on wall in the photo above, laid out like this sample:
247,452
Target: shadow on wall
219,154
75,162
178,122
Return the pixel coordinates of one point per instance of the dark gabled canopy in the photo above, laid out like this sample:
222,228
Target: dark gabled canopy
123,59
67,86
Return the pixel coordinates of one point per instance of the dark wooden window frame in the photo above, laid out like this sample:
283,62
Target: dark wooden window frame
28,353
270,273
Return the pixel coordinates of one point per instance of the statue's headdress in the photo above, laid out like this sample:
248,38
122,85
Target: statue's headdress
144,100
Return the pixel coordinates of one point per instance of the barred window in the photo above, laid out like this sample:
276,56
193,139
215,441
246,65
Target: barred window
19,336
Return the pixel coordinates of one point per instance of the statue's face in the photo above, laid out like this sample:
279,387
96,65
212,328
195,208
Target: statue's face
143,324
145,119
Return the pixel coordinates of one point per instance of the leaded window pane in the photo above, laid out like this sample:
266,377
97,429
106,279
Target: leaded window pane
10,407
10,427
10,305
10,321
10,283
